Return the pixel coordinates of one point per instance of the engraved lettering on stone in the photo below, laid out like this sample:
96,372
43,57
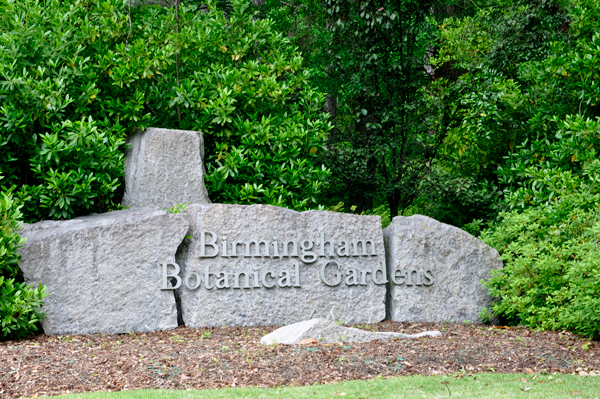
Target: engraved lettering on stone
429,277
187,280
236,280
338,275
265,253
412,277
166,276
264,279
257,248
212,243
363,244
375,277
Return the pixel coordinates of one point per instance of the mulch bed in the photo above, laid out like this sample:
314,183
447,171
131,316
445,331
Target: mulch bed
228,357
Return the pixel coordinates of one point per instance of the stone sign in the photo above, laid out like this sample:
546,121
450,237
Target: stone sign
164,167
145,269
435,271
251,265
102,271
265,265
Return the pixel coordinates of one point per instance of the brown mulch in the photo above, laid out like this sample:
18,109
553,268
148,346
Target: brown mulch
187,358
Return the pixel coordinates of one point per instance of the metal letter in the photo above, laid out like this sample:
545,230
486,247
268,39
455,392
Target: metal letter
224,253
263,279
352,278
236,280
275,248
428,276
285,280
305,252
234,248
331,246
344,249
399,279
338,275
222,282
410,281
381,269
286,243
297,270
166,275
207,275
256,248
255,274
363,243
212,243
187,280
364,276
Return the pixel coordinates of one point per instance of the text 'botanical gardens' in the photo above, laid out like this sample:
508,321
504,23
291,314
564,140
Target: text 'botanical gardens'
331,272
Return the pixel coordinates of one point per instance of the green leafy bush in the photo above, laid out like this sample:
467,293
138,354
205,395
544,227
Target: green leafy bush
79,167
551,253
50,148
76,79
20,305
523,130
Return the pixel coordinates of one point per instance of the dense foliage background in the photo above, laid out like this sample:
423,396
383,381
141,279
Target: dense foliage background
20,305
481,114
77,77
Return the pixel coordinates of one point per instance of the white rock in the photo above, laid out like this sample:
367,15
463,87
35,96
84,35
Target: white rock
288,300
327,332
164,167
102,272
452,264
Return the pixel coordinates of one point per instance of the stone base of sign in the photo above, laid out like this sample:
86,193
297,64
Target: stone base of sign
102,272
328,332
435,271
164,167
265,265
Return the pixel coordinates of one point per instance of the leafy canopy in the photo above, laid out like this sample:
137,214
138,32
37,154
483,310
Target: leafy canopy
527,101
76,79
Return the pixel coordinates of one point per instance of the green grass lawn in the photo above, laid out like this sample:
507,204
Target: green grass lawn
480,385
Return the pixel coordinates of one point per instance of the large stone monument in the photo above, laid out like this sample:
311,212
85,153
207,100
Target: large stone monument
102,272
435,271
143,269
164,167
266,265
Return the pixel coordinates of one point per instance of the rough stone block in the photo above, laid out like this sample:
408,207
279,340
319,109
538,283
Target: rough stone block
279,271
435,271
164,167
103,272
328,332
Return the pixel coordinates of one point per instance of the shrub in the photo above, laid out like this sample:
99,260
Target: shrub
551,253
79,168
20,305
50,148
75,81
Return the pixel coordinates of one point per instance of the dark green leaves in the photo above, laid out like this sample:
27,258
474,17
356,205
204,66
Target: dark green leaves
64,63
19,304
